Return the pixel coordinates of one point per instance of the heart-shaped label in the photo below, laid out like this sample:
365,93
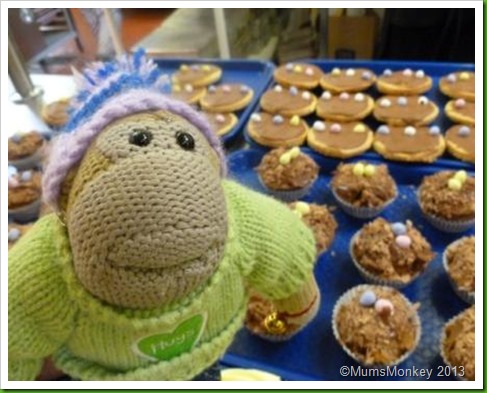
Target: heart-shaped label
169,344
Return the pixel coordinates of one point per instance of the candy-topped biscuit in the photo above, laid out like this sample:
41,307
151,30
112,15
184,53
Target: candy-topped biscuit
288,101
404,82
276,130
460,142
344,106
409,143
226,98
341,140
459,85
350,80
187,93
221,123
405,110
461,111
197,74
302,75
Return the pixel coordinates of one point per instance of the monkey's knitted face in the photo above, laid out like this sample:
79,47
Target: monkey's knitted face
146,212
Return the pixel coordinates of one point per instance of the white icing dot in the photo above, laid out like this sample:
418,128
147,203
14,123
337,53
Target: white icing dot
293,90
278,88
410,131
256,117
326,95
319,126
306,95
359,97
387,72
383,129
385,103
309,71
350,72
344,96
220,118
419,74
407,72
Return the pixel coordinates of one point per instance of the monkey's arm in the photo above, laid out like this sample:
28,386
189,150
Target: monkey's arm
276,250
40,311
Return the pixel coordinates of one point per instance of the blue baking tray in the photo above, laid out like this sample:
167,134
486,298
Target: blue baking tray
314,354
434,70
254,73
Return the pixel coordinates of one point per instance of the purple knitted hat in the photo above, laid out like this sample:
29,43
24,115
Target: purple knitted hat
107,92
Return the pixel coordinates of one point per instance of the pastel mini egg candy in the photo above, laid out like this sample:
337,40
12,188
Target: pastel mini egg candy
452,78
326,95
16,138
366,75
434,130
383,129
368,298
298,213
220,118
256,117
423,100
277,119
13,182
350,72
294,152
336,71
461,176
293,90
302,207
206,67
212,89
359,97
464,76
464,131
298,69
195,67
309,71
407,72
319,126
385,103
403,241
289,66
278,88
294,121
244,89
188,88
335,127
344,96
13,234
226,89
384,307
184,67
410,131
176,88
306,95
359,128
419,74
402,101
358,169
454,184
285,158
26,176
398,228
12,170
387,72
460,103
369,170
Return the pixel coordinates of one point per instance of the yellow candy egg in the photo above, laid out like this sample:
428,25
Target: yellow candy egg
298,68
206,67
454,184
294,120
358,169
302,207
285,158
176,88
369,170
464,76
335,71
294,152
460,176
184,67
359,128
298,213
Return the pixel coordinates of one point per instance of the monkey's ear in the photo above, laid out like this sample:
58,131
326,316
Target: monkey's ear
66,189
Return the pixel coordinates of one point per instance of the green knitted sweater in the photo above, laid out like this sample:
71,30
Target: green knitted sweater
50,314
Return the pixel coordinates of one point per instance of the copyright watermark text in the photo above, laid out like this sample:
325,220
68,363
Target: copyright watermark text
394,371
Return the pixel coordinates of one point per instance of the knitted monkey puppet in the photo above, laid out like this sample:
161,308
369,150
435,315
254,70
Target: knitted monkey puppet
143,272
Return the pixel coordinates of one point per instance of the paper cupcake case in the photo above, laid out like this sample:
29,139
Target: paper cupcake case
373,278
347,297
288,195
26,213
466,296
361,212
448,225
31,162
443,355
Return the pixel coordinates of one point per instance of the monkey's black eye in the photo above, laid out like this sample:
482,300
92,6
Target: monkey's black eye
140,137
185,140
